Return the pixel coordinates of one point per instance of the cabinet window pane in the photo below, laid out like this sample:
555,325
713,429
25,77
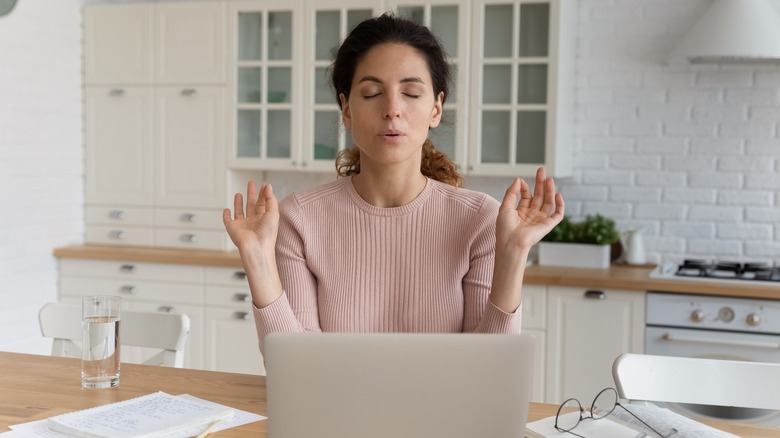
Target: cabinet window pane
495,137
443,136
279,35
496,83
414,13
498,28
354,17
327,37
279,134
453,97
248,133
532,83
531,135
279,84
534,29
249,80
444,22
250,33
322,90
326,134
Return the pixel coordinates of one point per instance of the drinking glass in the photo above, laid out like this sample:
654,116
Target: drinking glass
100,317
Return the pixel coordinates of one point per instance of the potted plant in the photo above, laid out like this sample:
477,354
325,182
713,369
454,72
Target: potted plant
585,244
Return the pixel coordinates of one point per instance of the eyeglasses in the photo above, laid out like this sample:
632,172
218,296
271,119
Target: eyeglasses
603,405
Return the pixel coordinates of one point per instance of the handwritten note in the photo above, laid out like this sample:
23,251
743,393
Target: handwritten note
149,416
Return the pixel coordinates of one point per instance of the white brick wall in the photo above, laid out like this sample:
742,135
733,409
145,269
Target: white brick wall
41,170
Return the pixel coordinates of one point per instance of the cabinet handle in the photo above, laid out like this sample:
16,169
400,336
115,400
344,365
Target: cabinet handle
117,214
189,217
244,316
131,290
595,294
190,238
130,269
189,92
117,234
239,275
242,297
117,92
166,309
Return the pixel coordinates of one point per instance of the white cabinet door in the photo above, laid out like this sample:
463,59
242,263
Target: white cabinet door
119,145
190,46
534,324
190,158
118,44
587,330
231,340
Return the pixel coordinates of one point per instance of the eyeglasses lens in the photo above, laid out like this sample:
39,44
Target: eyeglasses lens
569,422
604,403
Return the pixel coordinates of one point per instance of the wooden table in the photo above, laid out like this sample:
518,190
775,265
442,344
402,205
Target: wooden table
37,387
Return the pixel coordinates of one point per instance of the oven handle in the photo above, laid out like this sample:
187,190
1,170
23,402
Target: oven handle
675,338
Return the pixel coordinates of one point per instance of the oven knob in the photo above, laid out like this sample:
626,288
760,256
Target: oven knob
697,316
753,319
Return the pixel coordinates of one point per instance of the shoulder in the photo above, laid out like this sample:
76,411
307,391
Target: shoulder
465,198
313,195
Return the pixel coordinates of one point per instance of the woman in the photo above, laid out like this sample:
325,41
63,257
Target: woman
394,244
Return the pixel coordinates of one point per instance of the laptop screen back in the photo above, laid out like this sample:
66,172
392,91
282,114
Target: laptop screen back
347,385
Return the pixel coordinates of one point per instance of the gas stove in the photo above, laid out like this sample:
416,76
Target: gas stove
695,269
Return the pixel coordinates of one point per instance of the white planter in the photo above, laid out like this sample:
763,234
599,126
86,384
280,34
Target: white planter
574,255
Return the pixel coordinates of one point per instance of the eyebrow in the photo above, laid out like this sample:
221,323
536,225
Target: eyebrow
413,79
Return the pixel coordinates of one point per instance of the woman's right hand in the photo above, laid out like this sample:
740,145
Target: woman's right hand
258,226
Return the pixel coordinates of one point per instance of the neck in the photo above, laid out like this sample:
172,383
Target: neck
388,189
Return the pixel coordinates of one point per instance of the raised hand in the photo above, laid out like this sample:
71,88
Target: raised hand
258,226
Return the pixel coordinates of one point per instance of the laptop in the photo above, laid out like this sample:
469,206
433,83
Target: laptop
377,385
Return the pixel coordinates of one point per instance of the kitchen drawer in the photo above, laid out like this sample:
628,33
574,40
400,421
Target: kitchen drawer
132,290
238,297
226,276
534,306
130,271
119,235
118,216
192,218
191,239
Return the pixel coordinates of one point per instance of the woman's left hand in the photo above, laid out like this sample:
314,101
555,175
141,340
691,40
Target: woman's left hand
520,226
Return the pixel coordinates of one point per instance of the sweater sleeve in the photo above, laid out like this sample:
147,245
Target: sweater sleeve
480,314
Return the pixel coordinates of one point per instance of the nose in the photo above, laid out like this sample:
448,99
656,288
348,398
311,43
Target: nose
392,108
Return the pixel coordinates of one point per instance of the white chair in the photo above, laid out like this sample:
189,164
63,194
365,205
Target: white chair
154,330
715,382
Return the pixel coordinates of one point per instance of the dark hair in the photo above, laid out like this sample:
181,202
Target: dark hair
389,29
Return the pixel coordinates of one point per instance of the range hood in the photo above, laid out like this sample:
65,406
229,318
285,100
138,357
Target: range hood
732,31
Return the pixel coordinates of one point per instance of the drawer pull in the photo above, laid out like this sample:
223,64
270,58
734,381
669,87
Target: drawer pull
189,238
117,234
131,290
189,217
189,92
595,294
244,316
239,275
130,269
166,309
117,92
245,298
117,214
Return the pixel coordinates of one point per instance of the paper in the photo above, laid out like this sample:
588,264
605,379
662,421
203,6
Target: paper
588,427
665,421
150,416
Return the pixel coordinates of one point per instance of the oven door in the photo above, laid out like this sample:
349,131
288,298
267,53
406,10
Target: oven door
666,341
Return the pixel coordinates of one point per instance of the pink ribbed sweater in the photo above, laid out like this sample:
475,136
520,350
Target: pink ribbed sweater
348,266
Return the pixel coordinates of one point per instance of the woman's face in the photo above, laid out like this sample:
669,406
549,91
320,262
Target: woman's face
391,106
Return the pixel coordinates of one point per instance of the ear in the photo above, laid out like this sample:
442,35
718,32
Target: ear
436,112
346,115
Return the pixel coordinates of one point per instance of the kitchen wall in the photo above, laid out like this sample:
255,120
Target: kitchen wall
691,153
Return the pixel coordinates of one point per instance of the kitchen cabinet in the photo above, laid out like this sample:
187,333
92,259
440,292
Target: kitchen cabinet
216,299
587,329
155,134
534,324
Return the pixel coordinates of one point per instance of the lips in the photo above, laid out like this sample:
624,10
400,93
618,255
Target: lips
392,133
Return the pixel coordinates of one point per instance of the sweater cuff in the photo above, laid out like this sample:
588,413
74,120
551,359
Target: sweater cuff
496,320
275,317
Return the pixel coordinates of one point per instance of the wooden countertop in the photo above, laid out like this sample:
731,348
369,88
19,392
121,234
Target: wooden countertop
621,277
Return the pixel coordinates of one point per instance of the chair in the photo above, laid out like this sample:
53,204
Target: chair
154,330
699,381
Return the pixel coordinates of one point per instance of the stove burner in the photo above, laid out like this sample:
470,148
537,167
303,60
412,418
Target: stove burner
728,270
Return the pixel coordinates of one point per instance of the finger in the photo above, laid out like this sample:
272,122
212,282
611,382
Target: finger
251,198
226,216
525,195
538,199
560,208
548,207
510,196
238,206
266,201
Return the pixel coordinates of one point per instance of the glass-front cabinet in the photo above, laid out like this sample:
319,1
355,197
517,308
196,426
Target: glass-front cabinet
522,85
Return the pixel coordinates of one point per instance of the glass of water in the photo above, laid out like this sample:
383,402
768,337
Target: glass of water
100,317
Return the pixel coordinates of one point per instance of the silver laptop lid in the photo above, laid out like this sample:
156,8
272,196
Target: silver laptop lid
347,385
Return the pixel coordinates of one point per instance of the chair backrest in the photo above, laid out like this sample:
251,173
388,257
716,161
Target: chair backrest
154,330
699,381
